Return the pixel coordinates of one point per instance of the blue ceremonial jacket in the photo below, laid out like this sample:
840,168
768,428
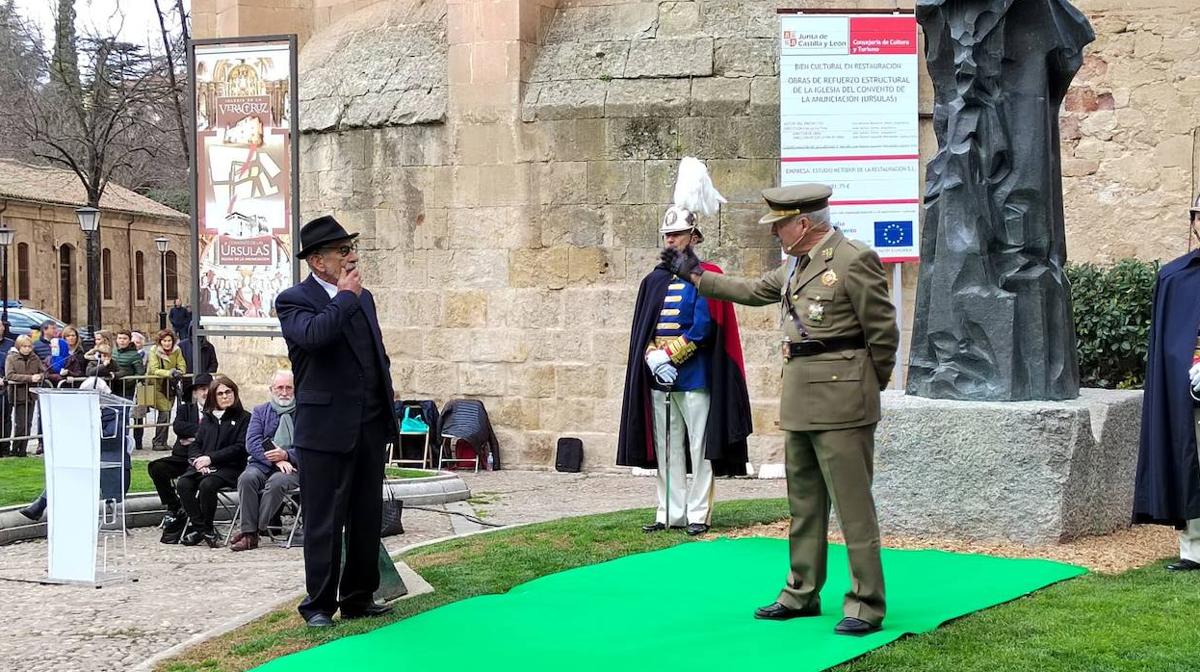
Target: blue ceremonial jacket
685,313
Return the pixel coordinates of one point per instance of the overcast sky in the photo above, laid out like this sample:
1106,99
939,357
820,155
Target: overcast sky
132,20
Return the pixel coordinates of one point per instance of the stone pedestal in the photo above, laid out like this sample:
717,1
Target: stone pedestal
1031,472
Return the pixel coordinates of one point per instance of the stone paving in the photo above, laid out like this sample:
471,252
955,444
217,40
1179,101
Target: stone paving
184,591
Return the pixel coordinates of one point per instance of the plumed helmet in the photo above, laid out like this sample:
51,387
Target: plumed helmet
694,196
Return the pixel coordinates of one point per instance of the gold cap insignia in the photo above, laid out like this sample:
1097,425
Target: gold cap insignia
829,278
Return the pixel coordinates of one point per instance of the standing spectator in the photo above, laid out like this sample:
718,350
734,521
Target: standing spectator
165,470
104,366
207,353
22,369
129,363
75,365
271,472
102,338
48,344
218,457
6,346
140,411
165,362
181,320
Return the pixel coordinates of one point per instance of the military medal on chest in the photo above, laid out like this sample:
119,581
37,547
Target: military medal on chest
816,312
829,278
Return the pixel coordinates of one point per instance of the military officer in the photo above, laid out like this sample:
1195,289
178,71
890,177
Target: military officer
838,350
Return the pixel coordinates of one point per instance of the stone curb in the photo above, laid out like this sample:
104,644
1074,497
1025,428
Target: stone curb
145,509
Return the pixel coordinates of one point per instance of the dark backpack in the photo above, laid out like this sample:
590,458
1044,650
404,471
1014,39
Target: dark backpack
570,455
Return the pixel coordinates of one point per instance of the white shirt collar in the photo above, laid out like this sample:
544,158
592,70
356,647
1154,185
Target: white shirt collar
331,290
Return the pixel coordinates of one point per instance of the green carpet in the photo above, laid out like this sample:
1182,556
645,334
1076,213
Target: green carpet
687,607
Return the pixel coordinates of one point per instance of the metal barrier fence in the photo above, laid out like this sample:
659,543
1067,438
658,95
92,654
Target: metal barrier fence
126,386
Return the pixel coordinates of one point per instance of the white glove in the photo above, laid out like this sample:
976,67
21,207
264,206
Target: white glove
666,374
1194,376
656,358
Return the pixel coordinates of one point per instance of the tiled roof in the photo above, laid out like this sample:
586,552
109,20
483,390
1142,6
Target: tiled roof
46,184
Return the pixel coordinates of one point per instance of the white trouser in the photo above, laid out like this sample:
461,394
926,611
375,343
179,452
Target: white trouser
690,503
1189,537
1189,541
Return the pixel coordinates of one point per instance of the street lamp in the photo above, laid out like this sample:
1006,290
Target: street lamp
162,242
89,223
6,239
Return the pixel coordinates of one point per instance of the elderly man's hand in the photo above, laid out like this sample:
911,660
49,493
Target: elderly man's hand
276,455
202,462
286,467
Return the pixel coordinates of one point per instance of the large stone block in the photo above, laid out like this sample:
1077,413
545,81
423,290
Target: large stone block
566,99
647,98
740,57
641,138
633,20
666,57
720,96
616,181
1030,472
580,60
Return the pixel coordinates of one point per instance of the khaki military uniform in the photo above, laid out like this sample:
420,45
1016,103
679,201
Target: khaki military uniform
829,408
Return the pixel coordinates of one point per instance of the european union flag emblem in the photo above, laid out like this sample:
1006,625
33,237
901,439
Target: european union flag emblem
894,234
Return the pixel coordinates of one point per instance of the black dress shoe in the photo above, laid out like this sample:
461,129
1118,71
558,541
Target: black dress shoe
856,627
373,610
1181,566
778,612
656,527
318,621
32,512
214,539
192,537
696,529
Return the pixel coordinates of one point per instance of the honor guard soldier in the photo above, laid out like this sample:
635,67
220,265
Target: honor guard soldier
684,383
838,351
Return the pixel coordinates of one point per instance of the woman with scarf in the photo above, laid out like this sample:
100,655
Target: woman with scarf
272,470
217,458
165,362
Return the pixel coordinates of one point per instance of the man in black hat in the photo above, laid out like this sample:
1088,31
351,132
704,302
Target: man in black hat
165,470
343,422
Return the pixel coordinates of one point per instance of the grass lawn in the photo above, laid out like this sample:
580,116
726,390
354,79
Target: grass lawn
21,478
1141,620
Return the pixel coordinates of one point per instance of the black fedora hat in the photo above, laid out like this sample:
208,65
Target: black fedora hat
320,232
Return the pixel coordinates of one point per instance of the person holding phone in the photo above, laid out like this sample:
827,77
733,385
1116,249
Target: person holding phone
272,471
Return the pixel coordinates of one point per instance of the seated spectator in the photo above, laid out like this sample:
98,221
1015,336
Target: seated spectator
22,370
165,470
164,362
217,459
271,470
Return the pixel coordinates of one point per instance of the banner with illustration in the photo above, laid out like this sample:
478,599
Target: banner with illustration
245,179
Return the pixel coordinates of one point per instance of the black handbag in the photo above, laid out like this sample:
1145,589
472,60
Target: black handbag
393,509
570,455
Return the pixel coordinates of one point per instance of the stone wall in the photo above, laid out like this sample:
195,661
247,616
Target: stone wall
47,227
507,162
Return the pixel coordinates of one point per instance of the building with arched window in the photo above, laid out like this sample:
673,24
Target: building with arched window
47,261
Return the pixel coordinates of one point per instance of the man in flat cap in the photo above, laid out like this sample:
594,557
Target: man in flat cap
343,421
839,347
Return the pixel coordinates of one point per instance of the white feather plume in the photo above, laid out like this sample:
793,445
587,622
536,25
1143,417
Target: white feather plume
694,188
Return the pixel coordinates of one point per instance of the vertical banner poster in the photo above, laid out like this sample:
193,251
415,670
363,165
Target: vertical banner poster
246,174
848,118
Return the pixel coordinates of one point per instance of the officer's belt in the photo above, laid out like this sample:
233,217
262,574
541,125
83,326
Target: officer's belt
816,346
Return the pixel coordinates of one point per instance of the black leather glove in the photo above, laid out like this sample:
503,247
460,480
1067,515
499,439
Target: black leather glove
682,264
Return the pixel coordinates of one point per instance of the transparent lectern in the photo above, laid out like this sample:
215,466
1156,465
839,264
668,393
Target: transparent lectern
87,441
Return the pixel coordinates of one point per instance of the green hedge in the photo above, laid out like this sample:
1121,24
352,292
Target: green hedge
1112,306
